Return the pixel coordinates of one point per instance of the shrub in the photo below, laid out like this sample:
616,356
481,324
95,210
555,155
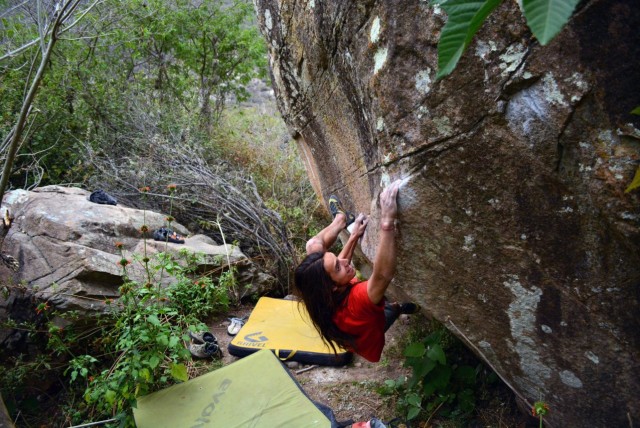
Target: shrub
140,345
445,380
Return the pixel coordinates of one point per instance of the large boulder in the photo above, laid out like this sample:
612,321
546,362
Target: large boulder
66,248
515,228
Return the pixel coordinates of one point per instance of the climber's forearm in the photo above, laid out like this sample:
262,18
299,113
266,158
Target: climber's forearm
384,265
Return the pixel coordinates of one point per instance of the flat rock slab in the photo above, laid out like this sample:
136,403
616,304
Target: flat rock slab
66,247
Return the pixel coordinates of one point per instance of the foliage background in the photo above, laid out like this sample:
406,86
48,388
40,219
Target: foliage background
144,94
135,95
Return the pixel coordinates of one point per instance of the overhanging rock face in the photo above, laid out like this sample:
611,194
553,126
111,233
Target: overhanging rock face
515,230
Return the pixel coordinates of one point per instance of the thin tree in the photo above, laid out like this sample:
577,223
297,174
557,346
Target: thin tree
47,30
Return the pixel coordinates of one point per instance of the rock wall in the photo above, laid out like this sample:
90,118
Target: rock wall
515,230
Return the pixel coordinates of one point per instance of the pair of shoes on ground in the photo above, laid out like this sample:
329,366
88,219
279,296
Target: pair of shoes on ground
236,325
204,345
167,235
335,207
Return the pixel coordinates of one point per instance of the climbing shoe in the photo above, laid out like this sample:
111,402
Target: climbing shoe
167,235
335,207
205,350
408,308
202,337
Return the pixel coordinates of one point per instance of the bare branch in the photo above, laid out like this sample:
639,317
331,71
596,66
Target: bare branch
47,33
8,11
19,50
26,107
209,191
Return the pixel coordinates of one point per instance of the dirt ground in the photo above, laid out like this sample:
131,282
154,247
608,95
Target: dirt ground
350,391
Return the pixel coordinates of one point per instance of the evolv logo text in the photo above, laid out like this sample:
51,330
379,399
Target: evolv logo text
211,407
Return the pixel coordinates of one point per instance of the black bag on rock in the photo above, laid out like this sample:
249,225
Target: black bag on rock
102,197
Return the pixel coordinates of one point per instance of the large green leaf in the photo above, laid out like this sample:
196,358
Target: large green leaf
547,17
179,372
440,377
153,362
413,412
153,320
414,399
635,183
436,353
420,371
110,396
464,19
415,349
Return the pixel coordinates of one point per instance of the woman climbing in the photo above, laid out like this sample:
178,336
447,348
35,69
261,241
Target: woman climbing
344,310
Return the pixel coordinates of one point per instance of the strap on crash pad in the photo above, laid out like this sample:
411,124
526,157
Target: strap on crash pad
291,354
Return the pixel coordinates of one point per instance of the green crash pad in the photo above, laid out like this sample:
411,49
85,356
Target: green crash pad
284,327
256,391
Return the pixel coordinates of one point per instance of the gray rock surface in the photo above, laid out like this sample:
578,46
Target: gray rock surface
66,247
515,230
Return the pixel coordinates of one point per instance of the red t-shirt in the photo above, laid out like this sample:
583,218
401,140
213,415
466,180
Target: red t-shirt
363,320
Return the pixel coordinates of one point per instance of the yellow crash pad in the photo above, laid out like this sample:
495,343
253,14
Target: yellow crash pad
284,327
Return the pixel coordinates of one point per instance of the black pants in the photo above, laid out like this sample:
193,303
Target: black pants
391,314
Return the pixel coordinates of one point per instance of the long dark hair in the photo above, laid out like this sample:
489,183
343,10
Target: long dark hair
316,288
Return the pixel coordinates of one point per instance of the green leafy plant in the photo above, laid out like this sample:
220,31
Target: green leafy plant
145,334
146,330
437,384
464,19
545,18
24,375
204,295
